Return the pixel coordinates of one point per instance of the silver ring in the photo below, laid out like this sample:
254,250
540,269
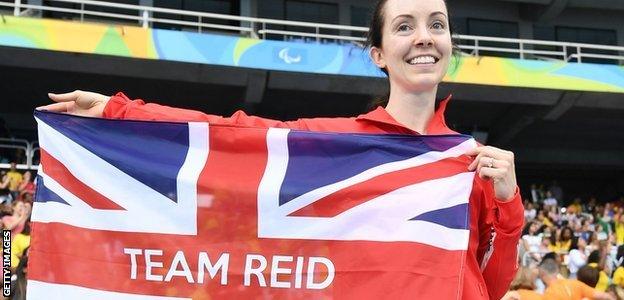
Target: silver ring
491,163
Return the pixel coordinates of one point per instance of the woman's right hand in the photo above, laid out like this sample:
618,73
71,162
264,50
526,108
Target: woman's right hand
80,103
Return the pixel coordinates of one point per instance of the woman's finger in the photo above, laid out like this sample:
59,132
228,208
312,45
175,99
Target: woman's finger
57,107
66,97
490,162
493,173
475,162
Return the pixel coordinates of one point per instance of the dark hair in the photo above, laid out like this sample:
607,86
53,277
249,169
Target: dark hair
526,228
574,244
594,257
549,255
564,229
588,275
620,255
375,36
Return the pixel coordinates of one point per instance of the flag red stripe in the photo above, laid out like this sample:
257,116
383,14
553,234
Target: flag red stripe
95,259
57,171
357,194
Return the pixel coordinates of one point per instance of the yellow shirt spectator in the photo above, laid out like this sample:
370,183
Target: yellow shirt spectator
603,279
618,277
619,230
18,244
15,178
560,247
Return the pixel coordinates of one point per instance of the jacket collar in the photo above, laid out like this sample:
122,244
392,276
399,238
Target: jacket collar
437,125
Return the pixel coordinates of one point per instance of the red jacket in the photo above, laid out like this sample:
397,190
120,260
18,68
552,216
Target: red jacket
495,225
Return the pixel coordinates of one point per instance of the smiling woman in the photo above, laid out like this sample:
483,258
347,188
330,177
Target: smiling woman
411,42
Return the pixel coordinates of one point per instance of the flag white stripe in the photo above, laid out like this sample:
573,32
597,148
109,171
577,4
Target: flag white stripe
146,209
278,140
58,189
43,290
385,218
98,174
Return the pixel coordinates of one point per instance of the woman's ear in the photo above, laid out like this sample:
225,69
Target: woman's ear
376,56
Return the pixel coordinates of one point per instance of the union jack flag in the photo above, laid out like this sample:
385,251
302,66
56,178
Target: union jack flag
156,210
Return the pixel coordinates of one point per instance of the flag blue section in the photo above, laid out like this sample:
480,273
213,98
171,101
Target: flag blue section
46,195
317,159
133,147
451,217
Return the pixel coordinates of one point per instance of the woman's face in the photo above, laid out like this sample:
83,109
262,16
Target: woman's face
582,243
416,46
533,228
566,234
18,207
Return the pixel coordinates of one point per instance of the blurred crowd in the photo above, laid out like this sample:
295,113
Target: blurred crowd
570,251
17,189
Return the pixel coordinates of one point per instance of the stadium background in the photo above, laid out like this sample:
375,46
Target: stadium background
564,120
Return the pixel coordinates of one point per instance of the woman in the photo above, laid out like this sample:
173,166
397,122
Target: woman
27,186
531,242
411,42
577,257
564,242
17,220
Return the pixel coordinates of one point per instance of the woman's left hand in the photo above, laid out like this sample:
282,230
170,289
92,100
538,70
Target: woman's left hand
497,165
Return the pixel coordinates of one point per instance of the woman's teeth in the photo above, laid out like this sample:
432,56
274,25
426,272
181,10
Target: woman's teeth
422,60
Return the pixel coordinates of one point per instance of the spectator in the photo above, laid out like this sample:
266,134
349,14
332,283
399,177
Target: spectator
619,229
585,231
535,197
529,211
556,191
558,288
588,275
17,220
596,260
27,186
5,196
550,201
576,206
18,291
531,241
565,240
618,275
19,243
577,257
542,217
523,286
15,178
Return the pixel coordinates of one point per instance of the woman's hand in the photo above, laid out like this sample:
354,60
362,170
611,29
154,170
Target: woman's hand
497,165
80,103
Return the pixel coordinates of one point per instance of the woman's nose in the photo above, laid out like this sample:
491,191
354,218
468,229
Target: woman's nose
422,38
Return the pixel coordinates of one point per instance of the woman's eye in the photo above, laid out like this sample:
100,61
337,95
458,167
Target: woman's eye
403,27
437,25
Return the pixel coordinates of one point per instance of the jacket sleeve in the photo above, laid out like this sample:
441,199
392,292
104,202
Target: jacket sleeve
121,107
500,226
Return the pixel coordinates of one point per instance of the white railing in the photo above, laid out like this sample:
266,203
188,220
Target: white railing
28,149
526,49
267,28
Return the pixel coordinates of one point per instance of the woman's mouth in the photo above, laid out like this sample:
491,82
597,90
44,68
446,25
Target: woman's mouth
423,60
